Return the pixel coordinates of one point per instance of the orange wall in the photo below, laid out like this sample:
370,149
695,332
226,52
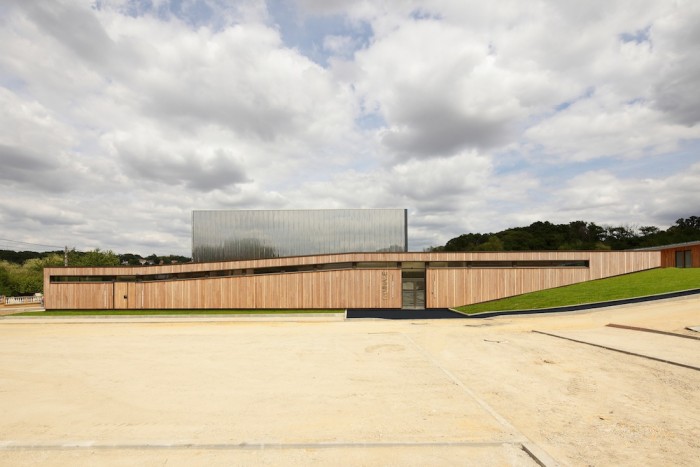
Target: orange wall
668,256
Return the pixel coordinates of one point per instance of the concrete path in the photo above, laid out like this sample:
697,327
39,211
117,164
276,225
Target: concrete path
443,392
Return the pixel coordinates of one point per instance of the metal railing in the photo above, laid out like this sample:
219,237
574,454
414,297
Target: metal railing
22,300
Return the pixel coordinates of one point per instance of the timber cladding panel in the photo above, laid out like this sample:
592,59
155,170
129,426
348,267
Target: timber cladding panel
456,287
79,296
450,287
668,255
367,288
446,285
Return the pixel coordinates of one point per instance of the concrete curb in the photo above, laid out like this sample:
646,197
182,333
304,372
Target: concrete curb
321,317
626,352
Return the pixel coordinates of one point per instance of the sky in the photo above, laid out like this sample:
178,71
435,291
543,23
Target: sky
120,117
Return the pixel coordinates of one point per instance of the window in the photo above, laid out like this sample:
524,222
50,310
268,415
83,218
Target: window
684,259
512,264
376,265
335,266
82,279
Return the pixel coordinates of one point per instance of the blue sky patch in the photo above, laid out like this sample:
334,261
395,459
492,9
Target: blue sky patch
639,36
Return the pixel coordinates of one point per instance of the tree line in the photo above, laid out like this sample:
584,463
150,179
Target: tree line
576,235
22,272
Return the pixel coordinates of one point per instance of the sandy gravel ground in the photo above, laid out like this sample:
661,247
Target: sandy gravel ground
453,392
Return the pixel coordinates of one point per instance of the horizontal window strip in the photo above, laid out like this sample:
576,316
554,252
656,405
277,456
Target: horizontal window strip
512,264
319,267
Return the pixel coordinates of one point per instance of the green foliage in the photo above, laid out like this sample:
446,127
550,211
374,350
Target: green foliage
130,259
19,257
466,242
25,279
22,273
95,257
28,278
576,235
492,244
5,284
652,282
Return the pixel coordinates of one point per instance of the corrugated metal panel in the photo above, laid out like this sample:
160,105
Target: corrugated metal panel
239,235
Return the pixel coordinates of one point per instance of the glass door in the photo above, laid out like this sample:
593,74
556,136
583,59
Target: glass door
413,285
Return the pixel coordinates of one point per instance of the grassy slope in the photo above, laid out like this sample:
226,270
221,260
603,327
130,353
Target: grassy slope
639,284
167,312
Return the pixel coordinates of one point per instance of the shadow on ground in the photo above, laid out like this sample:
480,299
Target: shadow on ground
393,313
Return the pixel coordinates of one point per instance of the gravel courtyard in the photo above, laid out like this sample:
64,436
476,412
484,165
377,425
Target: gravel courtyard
232,391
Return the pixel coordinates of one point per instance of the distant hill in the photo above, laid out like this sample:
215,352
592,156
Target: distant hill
577,235
19,257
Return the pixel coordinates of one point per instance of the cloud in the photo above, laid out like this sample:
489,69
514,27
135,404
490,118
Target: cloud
606,198
58,19
602,125
20,164
475,117
197,169
438,90
340,45
676,84
35,147
31,215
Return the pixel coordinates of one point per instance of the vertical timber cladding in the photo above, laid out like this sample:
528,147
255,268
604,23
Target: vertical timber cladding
374,287
352,288
449,287
79,296
692,250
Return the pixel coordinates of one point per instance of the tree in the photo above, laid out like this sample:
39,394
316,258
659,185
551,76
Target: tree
6,287
517,240
648,230
27,278
690,224
466,242
153,259
95,257
493,244
578,235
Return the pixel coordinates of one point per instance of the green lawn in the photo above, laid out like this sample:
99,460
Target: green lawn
168,312
640,284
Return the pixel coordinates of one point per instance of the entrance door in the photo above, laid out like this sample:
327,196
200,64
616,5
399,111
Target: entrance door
121,295
413,293
413,285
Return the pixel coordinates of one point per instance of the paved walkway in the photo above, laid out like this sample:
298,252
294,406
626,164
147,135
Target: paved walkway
367,392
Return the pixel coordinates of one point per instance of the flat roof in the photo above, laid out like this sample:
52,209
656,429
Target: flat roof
665,247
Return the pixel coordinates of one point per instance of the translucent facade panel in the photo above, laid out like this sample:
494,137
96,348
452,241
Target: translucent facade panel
238,235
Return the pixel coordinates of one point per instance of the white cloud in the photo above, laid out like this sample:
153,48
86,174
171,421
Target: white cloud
438,89
475,116
603,125
339,44
606,198
676,36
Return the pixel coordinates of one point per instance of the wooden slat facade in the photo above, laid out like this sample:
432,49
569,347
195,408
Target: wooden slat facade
668,255
335,288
